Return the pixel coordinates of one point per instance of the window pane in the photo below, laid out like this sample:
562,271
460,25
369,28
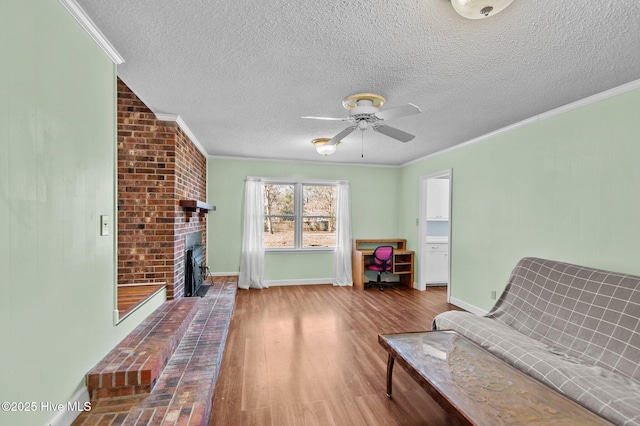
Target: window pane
319,232
278,200
319,200
279,232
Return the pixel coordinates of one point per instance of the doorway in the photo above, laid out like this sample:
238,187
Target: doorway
435,230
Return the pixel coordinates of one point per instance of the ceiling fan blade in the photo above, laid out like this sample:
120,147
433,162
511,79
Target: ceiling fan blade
394,133
397,112
337,138
326,118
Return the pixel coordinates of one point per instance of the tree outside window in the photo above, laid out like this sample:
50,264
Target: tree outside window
299,216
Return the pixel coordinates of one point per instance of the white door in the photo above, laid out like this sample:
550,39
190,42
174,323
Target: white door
435,230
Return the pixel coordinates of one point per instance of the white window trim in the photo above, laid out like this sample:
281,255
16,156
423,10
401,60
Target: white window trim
298,184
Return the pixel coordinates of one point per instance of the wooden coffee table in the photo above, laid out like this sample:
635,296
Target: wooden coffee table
475,387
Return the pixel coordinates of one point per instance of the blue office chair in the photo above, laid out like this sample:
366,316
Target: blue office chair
382,262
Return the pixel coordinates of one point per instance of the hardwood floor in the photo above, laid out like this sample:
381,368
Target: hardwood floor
309,355
130,296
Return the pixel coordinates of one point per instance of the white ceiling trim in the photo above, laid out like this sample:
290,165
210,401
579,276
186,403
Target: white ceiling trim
633,85
315,163
90,27
187,131
543,54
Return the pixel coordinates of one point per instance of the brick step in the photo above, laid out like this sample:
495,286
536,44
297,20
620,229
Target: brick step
134,365
184,389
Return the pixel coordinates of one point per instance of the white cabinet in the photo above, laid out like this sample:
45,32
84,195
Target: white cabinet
437,263
438,199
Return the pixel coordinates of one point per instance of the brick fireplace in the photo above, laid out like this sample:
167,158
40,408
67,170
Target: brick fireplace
158,165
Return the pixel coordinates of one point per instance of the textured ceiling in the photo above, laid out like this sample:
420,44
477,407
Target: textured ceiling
241,73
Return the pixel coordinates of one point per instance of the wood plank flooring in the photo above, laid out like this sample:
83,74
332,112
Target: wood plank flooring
130,296
309,355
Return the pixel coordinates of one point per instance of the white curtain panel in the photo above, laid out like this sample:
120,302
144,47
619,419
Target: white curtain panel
252,263
342,261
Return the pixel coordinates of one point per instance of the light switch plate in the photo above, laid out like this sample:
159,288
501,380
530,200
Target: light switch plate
104,225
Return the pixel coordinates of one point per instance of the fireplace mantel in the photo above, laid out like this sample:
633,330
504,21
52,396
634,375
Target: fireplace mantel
197,206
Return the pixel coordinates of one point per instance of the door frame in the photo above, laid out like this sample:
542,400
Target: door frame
422,229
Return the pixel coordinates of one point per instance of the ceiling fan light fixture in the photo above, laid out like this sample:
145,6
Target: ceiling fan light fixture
351,102
479,9
364,114
322,148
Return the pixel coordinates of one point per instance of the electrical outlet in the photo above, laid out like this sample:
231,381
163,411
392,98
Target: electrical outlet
104,225
493,295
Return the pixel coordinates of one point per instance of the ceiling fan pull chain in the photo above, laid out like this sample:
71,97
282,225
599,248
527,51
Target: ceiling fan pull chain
362,138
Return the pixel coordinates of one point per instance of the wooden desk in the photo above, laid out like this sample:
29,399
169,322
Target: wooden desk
475,387
362,255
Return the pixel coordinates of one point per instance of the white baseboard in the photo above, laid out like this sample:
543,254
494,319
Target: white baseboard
78,403
468,307
423,287
280,283
313,281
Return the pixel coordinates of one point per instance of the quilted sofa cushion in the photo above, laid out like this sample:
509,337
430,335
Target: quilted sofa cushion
575,328
587,313
611,395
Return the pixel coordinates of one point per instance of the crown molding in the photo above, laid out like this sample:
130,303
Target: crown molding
183,126
316,163
90,27
166,117
624,88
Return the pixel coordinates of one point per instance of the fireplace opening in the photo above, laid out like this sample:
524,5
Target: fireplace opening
195,269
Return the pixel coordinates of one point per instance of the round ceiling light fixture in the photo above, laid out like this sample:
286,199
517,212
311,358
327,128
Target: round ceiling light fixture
479,9
352,101
322,148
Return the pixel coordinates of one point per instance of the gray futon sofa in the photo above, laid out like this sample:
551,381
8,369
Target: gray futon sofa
574,328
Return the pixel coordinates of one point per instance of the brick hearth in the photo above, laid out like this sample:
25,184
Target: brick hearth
135,364
184,388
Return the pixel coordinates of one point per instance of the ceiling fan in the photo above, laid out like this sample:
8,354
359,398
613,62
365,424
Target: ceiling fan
364,113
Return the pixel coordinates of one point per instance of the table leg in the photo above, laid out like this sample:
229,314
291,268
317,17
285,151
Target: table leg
390,362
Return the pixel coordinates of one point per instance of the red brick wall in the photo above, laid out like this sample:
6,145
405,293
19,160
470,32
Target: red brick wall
158,165
191,184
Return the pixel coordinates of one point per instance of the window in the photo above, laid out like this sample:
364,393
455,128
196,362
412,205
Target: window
299,216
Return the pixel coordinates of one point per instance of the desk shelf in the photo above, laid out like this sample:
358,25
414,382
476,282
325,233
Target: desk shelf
362,255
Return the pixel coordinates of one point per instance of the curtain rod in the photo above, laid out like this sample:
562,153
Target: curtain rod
296,180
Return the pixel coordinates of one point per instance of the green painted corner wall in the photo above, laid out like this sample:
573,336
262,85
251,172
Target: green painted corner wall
57,176
563,188
373,215
559,188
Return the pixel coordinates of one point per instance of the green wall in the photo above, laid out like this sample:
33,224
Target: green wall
373,215
57,176
564,188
